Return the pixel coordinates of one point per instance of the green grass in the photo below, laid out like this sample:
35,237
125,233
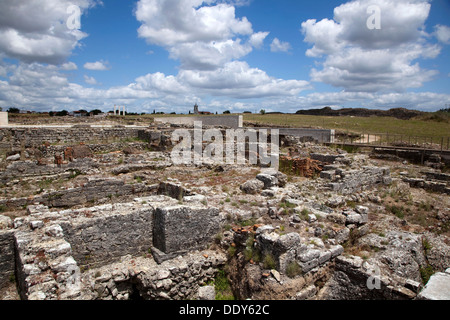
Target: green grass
413,127
223,287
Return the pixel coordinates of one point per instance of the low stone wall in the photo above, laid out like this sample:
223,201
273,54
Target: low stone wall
34,137
93,191
6,257
351,181
352,276
434,186
141,278
24,169
107,236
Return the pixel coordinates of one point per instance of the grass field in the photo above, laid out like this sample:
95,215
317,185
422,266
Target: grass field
358,125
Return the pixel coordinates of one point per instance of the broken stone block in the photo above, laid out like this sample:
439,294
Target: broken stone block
54,231
36,224
309,265
253,186
324,257
5,222
330,175
306,293
336,251
437,288
268,180
362,210
353,218
288,241
308,255
207,293
14,157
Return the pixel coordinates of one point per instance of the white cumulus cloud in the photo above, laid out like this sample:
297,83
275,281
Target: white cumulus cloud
278,46
97,66
357,58
37,31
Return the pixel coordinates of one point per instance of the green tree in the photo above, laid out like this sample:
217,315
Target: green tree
13,110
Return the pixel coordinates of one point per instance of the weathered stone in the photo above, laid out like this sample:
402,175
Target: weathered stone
253,186
306,293
336,218
308,255
330,175
14,157
5,222
353,218
324,257
268,180
309,265
437,288
288,241
54,231
182,228
276,275
207,293
36,224
336,251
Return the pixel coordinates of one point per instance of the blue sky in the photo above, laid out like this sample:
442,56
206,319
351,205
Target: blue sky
238,55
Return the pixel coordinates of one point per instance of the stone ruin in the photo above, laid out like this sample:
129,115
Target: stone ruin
164,240
52,249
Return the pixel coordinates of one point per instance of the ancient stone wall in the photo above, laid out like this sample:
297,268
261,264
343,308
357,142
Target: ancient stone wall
91,192
103,239
181,228
6,257
34,137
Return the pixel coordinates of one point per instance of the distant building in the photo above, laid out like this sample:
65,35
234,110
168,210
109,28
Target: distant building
196,111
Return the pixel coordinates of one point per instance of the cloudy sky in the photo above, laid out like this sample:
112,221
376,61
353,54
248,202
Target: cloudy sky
238,55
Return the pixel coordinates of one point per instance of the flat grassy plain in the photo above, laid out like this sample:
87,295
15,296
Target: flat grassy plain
375,125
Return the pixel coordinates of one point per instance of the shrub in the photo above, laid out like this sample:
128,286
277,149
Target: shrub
426,273
397,211
269,262
293,269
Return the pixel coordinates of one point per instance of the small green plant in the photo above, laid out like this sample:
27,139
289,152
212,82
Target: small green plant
269,261
426,245
293,269
397,211
351,204
231,251
304,214
223,287
426,273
